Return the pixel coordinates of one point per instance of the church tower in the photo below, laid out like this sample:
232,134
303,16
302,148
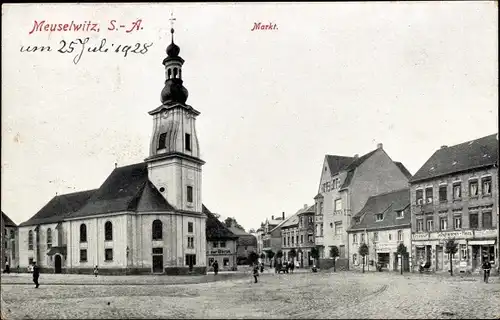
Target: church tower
174,164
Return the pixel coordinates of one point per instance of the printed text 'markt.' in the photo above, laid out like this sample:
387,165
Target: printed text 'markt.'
86,26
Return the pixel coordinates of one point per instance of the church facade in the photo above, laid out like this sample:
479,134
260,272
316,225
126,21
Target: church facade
145,218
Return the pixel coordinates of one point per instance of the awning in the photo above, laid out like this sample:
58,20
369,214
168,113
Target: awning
54,250
481,242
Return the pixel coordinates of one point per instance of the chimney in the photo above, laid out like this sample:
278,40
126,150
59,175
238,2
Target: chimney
442,147
272,217
356,156
380,146
283,215
116,165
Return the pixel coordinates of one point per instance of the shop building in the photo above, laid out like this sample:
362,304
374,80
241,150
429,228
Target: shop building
455,195
221,243
383,224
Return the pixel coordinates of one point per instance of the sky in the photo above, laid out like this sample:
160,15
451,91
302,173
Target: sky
331,78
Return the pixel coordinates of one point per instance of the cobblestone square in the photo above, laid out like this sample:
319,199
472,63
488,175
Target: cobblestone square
300,295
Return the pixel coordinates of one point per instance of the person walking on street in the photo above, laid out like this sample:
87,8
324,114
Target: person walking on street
7,268
96,271
216,267
36,274
261,267
486,269
255,272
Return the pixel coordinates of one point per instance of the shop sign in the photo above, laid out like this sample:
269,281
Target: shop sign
420,236
220,251
485,233
385,247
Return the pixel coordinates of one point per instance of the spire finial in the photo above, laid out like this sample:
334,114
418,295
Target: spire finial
172,19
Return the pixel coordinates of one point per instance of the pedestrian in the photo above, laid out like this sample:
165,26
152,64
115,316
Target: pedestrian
255,272
7,268
215,265
36,274
292,266
261,267
486,269
96,271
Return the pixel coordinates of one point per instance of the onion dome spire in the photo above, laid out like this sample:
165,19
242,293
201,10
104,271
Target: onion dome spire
173,91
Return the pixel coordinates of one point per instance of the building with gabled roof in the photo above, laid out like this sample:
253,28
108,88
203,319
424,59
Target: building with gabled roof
146,217
383,224
298,233
8,243
345,185
455,195
221,243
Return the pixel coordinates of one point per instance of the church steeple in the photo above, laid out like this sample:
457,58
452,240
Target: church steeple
174,164
173,91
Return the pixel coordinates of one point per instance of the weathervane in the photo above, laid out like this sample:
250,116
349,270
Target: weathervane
172,19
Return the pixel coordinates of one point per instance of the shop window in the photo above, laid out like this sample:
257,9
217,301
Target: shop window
225,262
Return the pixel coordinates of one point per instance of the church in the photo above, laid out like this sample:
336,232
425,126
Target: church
145,218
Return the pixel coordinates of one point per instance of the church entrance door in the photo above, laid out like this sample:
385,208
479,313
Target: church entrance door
57,264
157,260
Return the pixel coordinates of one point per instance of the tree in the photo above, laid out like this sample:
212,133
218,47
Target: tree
451,248
230,221
334,253
292,253
251,230
401,251
315,254
270,254
363,252
252,257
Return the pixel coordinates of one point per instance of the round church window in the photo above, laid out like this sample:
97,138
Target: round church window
162,189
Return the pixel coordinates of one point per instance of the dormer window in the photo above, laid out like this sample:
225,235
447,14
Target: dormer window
380,216
187,141
400,214
162,141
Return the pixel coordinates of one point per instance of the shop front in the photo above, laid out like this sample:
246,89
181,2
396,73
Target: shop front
225,257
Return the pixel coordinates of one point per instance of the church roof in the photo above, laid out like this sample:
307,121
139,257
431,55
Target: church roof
59,207
7,222
126,189
215,229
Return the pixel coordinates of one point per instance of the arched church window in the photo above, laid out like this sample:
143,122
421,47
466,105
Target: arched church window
108,231
169,72
49,238
175,73
83,233
157,230
162,141
30,240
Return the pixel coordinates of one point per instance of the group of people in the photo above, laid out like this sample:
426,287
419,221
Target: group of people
289,266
